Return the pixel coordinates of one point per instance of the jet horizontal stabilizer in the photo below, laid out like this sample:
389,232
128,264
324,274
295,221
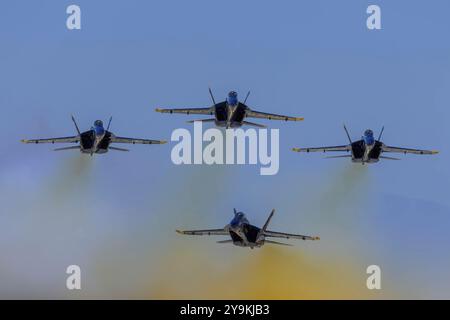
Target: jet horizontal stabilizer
342,156
248,123
202,120
278,243
67,148
225,241
389,158
118,149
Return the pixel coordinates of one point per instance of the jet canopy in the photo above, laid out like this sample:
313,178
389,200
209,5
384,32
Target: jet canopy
98,123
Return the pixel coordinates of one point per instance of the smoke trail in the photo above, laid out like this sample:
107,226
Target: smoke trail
344,189
183,200
307,271
200,269
65,191
44,226
269,273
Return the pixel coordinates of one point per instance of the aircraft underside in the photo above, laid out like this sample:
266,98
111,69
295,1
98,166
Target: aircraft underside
91,151
222,115
88,145
369,160
251,233
224,124
365,154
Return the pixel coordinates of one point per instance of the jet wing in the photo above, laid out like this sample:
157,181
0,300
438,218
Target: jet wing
405,150
323,149
136,141
54,140
270,116
216,232
206,111
274,234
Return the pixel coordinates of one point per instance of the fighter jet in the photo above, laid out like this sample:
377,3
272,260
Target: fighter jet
96,140
366,150
243,234
230,113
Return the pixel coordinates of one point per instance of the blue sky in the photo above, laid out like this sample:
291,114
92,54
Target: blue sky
311,58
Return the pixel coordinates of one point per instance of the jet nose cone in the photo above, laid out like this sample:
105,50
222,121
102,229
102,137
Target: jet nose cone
232,99
368,140
99,131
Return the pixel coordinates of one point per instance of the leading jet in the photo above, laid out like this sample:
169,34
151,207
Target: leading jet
230,113
243,234
96,140
366,150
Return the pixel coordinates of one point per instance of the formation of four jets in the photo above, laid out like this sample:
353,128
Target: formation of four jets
232,113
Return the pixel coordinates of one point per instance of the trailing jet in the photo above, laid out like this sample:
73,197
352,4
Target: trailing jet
243,234
366,150
96,140
230,113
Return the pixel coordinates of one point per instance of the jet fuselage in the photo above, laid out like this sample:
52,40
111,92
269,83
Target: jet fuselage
366,150
243,233
230,113
96,140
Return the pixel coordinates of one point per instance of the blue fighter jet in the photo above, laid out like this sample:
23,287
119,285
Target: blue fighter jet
243,234
96,140
230,113
365,150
